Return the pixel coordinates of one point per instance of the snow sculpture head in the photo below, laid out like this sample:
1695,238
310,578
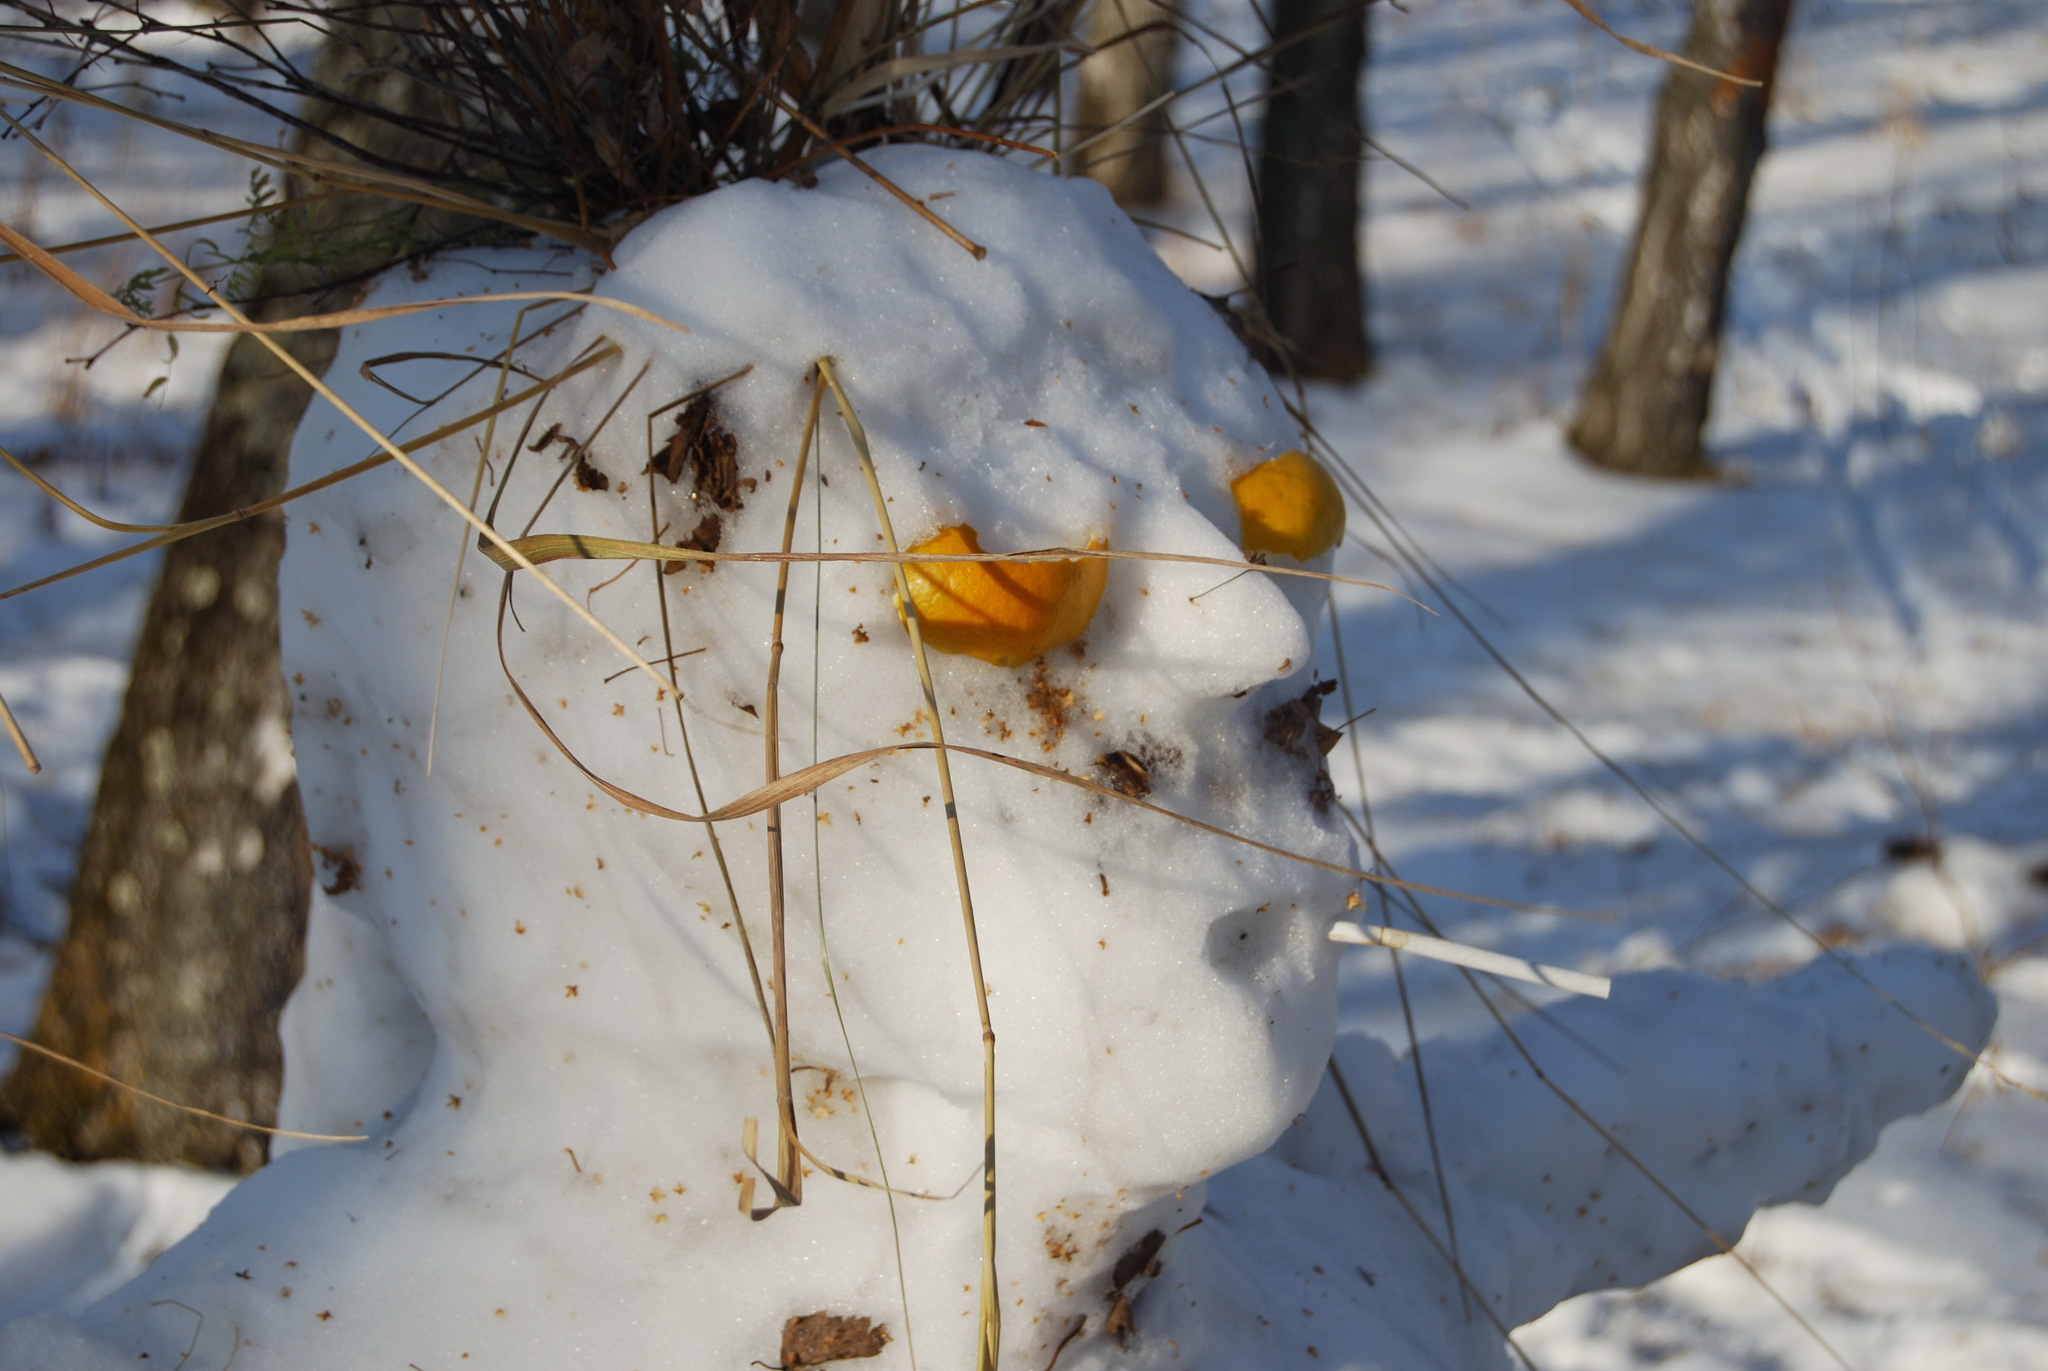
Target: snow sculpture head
536,1000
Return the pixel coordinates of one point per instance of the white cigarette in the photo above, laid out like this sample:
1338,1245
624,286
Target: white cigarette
1458,954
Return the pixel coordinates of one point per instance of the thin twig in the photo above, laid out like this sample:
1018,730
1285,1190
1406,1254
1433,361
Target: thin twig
1386,1178
602,351
553,547
824,947
988,1343
192,1110
20,739
1417,565
675,685
320,387
789,1168
917,206
272,207
483,458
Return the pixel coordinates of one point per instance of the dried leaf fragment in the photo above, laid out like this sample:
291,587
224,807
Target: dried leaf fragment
1291,725
814,1339
706,449
1297,729
710,531
341,863
589,477
1140,1259
1125,774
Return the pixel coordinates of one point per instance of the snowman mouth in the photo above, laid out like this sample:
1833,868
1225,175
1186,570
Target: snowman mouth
1296,727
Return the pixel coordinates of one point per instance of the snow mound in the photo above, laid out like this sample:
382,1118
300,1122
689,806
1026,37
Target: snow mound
1722,1096
75,1233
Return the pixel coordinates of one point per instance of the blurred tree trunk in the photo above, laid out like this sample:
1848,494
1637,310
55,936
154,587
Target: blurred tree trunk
1311,160
1125,76
188,912
1645,407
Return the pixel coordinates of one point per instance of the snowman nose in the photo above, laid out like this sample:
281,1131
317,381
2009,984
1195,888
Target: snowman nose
1203,630
1289,505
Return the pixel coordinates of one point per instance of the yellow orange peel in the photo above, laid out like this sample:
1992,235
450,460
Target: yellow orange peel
1289,505
1005,613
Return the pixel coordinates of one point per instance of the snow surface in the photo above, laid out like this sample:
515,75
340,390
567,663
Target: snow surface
1845,651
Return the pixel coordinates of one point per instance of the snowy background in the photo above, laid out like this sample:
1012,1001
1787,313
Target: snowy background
1843,650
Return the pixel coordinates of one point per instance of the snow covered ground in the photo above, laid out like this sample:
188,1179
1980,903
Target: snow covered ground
1844,650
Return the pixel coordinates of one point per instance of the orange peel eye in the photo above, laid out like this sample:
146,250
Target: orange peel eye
1289,505
1005,613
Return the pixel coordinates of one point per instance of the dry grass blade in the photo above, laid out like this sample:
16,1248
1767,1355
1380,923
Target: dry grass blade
1565,1097
750,1137
988,1343
246,212
326,392
602,351
19,739
1370,877
540,548
1364,830
1420,566
25,1045
91,296
860,1085
804,781
942,130
111,525
1586,12
349,176
894,70
788,1165
1251,59
841,1174
916,206
1620,1149
483,456
783,789
670,658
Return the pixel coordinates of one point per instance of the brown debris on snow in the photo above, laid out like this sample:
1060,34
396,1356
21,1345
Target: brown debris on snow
814,1339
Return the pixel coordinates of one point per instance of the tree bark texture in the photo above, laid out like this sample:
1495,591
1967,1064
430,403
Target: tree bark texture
188,913
1646,404
1133,67
1311,159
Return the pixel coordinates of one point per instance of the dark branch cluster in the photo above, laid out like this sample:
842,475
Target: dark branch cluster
597,112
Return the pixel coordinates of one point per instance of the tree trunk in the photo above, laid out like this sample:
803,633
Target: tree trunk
1125,76
1645,407
188,912
1311,157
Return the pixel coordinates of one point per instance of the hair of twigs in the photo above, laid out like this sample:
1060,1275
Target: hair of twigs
591,114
